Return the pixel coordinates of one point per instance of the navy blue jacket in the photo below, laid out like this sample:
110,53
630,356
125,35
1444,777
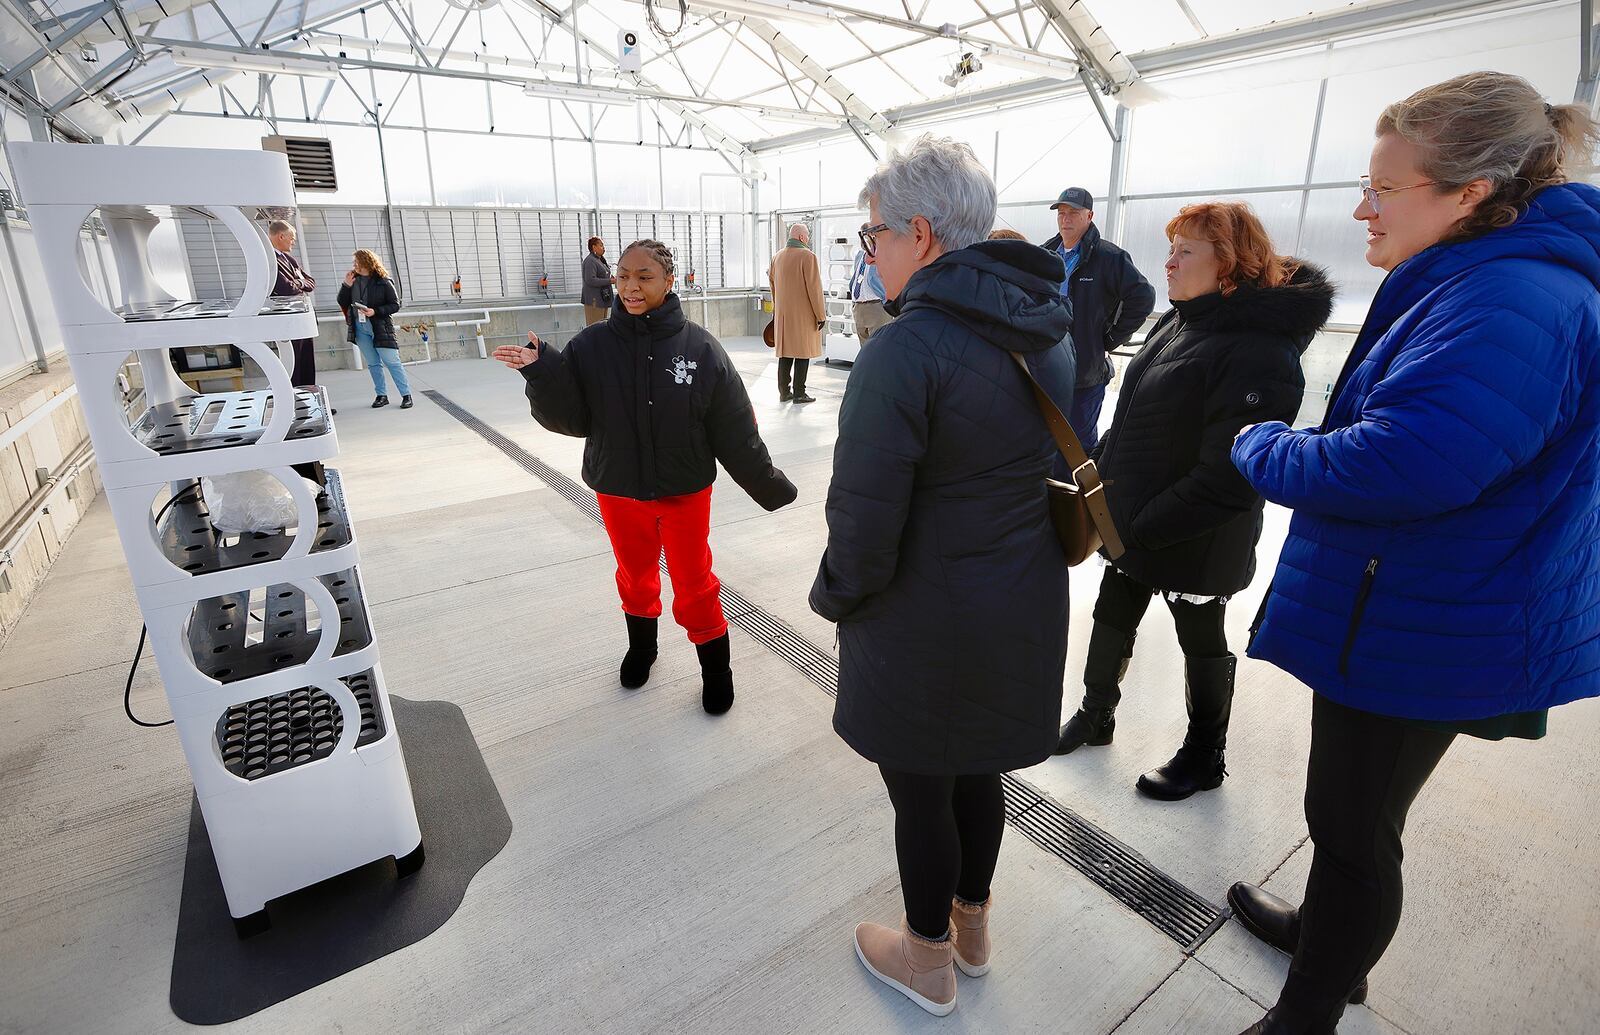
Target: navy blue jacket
1109,300
942,568
1444,557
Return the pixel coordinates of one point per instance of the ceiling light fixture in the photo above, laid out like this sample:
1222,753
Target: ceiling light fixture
272,62
805,118
581,94
1054,68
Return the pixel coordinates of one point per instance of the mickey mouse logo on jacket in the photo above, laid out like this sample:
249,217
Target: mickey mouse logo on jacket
680,371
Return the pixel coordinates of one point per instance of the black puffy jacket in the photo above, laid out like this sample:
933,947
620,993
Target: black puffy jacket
1110,299
942,568
1211,365
659,403
380,295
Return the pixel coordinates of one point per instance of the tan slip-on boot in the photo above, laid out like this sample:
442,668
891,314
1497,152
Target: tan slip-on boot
923,970
971,924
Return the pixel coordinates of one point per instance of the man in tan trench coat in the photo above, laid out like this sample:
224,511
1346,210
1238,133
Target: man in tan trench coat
798,312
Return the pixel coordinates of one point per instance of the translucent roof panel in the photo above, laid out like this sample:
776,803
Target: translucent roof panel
898,61
1136,25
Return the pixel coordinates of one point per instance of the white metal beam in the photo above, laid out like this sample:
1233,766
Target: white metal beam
1374,17
869,117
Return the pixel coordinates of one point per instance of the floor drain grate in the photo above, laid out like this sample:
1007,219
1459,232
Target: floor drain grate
1120,871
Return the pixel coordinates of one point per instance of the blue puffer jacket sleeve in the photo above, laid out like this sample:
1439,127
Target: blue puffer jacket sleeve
1473,396
883,433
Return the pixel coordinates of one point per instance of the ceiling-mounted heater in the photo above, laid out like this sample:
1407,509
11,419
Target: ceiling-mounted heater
310,161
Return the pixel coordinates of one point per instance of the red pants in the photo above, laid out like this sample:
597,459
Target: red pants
639,530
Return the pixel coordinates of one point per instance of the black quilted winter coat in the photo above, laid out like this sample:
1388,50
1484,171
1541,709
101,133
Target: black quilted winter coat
659,403
1210,366
942,569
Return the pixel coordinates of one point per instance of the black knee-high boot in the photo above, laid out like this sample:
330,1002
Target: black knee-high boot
1199,764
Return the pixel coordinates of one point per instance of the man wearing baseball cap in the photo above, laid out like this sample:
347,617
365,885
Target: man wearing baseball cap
1109,300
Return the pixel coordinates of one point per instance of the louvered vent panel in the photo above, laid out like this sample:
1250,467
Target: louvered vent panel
310,161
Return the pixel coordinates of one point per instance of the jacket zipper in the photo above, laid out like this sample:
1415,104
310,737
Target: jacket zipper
1362,593
1261,615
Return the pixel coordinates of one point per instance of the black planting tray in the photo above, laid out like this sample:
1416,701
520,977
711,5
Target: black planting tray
225,420
230,640
208,309
273,734
190,542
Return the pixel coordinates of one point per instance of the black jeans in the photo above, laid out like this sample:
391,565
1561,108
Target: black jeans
1364,773
1121,605
305,363
800,367
947,833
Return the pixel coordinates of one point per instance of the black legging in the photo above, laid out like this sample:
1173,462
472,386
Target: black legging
1364,773
1123,602
947,833
799,366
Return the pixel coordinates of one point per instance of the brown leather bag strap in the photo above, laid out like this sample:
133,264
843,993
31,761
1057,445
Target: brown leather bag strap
1084,473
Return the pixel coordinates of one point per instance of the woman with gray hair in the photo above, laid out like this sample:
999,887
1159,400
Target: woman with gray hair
942,568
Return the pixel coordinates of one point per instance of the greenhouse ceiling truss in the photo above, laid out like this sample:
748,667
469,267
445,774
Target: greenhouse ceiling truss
137,63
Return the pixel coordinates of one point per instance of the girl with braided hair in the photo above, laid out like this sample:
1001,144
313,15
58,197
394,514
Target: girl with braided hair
659,404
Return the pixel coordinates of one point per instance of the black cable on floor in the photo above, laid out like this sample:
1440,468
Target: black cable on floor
127,690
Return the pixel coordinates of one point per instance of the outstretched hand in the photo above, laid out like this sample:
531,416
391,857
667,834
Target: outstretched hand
515,356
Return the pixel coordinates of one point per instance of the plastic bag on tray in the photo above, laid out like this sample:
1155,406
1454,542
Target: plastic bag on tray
250,501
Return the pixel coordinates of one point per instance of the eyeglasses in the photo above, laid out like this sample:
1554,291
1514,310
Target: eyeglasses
869,238
1371,195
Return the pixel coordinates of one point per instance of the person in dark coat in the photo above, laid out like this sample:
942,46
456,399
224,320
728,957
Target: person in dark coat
942,568
658,403
1441,577
598,292
1227,354
293,281
369,300
1107,297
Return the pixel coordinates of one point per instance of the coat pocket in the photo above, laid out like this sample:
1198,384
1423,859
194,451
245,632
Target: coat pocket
1362,592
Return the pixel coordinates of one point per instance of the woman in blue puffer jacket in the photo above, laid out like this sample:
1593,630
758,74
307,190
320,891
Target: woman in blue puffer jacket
1442,571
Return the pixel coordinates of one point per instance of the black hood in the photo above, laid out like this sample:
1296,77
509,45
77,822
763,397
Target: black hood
1006,292
663,321
1297,309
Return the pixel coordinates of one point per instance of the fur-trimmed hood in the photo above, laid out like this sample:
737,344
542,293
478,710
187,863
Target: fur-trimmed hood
1297,308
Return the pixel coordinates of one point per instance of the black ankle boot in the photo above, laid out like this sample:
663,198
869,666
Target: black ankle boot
1091,727
382,400
1275,922
641,651
1110,651
405,402
716,678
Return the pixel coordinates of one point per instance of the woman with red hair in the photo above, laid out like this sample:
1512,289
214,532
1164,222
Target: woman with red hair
1227,354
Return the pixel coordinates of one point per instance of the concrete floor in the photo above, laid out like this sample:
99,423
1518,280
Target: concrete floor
672,872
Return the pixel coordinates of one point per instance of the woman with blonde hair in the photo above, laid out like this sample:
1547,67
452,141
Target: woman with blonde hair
1226,355
1442,571
369,301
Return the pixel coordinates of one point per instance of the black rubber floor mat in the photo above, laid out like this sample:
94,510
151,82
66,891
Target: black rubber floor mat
348,921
